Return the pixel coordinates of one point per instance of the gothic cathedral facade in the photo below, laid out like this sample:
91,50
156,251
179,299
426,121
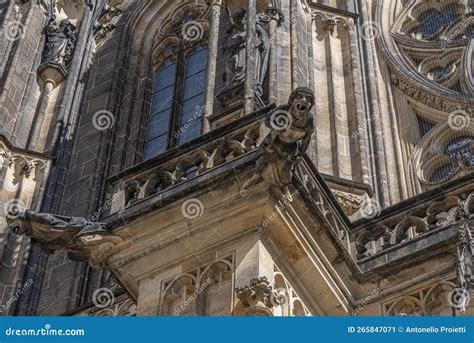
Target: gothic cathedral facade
236,157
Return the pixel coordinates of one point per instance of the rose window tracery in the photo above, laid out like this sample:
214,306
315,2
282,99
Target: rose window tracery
437,40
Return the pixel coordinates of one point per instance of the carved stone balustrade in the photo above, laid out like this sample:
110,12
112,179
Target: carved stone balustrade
408,221
186,162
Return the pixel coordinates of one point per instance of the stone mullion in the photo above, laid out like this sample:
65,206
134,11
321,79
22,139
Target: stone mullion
321,91
362,137
381,182
344,164
213,45
249,104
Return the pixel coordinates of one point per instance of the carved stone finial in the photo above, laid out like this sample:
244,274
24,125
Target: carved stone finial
256,297
82,239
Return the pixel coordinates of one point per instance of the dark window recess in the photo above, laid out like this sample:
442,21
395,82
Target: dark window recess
177,103
425,126
433,20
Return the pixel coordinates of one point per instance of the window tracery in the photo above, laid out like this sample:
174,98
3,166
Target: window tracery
179,60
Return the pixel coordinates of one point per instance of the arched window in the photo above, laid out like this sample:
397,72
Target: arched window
177,103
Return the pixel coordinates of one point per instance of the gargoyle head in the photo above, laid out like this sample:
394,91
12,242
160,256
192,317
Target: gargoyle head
301,101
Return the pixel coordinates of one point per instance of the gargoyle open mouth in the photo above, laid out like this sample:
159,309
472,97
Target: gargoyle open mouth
301,107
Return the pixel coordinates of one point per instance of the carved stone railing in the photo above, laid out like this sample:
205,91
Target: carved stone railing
186,162
428,213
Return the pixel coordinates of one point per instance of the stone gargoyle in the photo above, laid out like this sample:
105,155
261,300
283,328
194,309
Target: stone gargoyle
291,127
83,240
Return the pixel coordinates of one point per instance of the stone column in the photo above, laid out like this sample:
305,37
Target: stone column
213,46
43,105
276,17
249,103
254,271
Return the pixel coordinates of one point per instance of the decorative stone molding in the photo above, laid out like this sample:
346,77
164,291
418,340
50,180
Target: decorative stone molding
256,297
131,188
350,203
106,21
433,300
184,293
121,306
328,23
407,226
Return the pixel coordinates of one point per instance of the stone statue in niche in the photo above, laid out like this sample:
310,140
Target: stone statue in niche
291,127
78,236
235,50
60,42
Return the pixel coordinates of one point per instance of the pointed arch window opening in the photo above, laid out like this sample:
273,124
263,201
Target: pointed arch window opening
176,111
